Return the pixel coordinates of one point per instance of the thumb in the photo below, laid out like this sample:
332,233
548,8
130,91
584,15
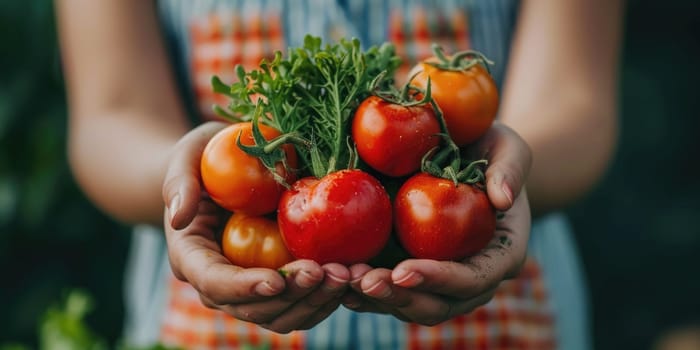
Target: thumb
182,191
510,160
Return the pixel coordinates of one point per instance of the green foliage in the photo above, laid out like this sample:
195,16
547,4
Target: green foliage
312,93
51,237
63,327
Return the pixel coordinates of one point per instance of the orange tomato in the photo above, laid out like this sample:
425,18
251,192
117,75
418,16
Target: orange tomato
468,98
237,181
254,241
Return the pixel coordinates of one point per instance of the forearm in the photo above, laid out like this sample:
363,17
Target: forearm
120,167
569,158
560,95
125,113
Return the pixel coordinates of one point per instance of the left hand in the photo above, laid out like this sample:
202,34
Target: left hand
429,292
305,296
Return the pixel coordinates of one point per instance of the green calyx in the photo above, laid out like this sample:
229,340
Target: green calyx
447,163
408,96
460,61
270,152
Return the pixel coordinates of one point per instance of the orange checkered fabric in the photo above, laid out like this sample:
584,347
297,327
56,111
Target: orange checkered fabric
221,41
518,317
414,40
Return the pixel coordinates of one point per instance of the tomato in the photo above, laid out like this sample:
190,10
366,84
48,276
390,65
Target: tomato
434,219
467,98
254,241
392,138
344,217
237,181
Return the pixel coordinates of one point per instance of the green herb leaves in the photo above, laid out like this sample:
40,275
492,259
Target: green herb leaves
311,93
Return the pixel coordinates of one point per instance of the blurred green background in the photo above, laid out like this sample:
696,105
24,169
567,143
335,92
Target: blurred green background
638,230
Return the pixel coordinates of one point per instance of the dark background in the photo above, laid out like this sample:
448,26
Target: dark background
637,230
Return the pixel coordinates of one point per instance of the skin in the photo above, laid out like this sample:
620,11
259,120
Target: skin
544,117
560,95
570,126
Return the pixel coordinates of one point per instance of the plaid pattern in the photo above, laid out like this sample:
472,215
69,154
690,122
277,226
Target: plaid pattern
189,324
518,317
221,41
414,30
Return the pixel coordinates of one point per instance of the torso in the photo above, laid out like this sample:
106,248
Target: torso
209,37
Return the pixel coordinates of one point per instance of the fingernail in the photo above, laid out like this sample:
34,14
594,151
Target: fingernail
304,279
379,290
333,283
508,193
174,206
265,289
356,280
407,279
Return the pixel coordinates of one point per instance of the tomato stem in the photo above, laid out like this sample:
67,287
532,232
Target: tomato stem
406,97
473,174
460,61
278,141
270,153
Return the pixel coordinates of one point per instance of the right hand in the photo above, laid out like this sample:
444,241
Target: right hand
429,292
307,295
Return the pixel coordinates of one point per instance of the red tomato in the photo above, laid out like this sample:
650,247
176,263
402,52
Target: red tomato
240,182
254,241
392,138
434,219
344,217
467,98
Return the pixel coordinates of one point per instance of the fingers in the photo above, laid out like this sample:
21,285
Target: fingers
222,283
512,236
423,307
428,310
320,315
316,305
335,282
312,294
195,257
301,278
464,307
258,306
367,296
181,189
453,279
510,160
501,259
378,285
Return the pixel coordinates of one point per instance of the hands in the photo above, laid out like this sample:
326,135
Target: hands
306,295
421,291
429,292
